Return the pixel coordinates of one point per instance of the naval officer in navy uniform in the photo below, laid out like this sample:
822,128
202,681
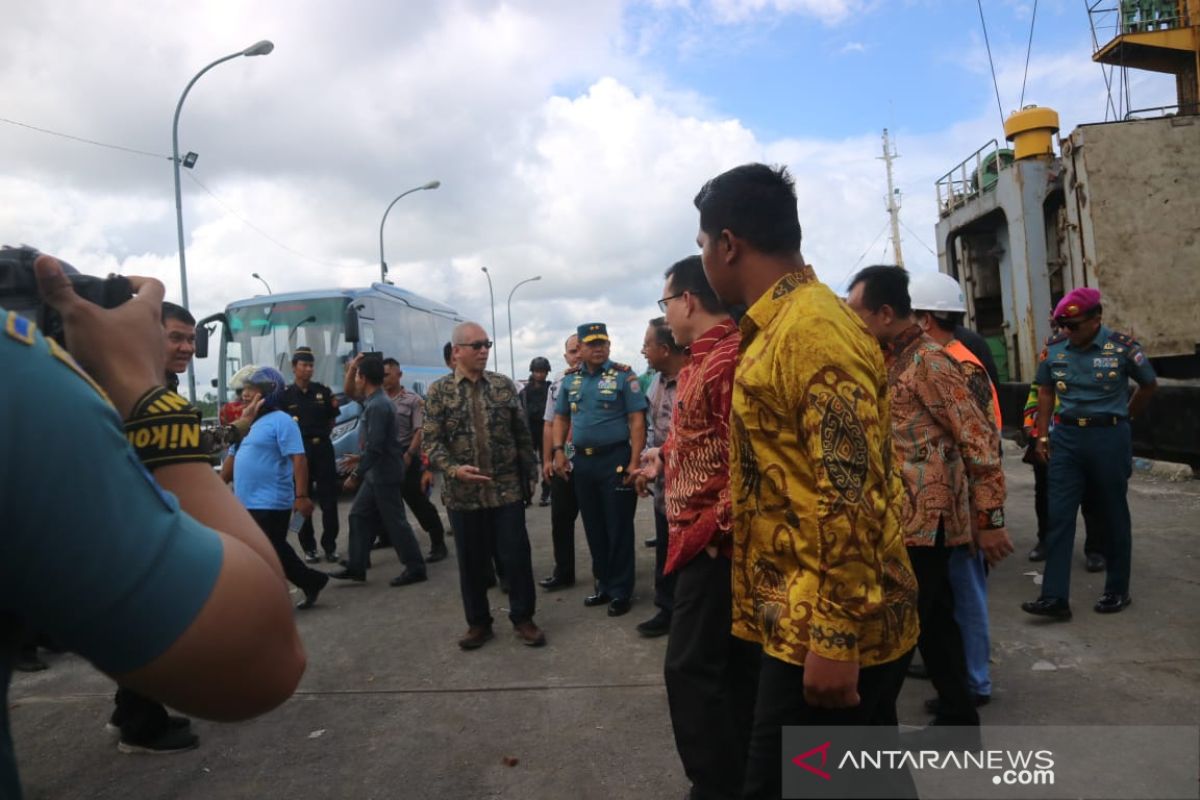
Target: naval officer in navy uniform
603,404
1087,368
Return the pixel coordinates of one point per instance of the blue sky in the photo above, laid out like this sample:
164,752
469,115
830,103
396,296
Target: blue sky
914,67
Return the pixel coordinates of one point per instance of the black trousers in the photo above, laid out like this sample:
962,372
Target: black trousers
712,680
422,507
607,506
941,642
781,702
274,524
1093,522
664,585
379,507
564,510
323,488
138,716
475,533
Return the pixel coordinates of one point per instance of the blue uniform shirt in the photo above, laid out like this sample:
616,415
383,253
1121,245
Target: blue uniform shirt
1094,380
92,552
599,403
262,470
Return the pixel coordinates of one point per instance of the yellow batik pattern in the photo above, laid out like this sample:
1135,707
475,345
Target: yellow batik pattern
819,560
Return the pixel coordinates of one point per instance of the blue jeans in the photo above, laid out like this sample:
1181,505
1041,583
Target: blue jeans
968,582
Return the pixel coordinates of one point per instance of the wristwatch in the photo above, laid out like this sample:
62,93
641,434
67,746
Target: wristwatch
1043,438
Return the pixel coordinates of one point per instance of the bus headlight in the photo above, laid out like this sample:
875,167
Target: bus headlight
343,428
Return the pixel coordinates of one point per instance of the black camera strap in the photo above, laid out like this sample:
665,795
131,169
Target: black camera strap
164,428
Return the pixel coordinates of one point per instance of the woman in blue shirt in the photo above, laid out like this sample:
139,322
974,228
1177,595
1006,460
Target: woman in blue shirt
270,475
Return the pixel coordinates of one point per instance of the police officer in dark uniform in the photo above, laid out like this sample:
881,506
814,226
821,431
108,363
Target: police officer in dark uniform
533,399
604,406
1087,368
314,406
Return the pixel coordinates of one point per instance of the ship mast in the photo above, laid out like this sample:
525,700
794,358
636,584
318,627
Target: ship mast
893,197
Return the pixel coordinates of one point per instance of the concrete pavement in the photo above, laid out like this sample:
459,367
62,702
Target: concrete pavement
391,708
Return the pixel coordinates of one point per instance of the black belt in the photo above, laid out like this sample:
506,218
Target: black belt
1103,421
599,450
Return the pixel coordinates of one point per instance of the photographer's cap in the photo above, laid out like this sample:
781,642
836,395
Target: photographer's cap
303,354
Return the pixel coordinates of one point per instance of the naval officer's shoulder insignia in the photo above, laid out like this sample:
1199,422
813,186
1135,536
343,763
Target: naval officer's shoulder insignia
19,329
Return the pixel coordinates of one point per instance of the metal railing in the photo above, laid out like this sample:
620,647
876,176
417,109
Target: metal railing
1163,111
1111,18
961,183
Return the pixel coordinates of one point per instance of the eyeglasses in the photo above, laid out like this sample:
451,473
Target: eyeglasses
662,304
480,345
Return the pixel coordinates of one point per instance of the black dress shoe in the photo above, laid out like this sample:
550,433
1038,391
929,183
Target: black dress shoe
543,502
554,582
333,557
1038,553
408,577
1110,603
1094,562
933,705
1048,607
437,554
618,607
652,542
310,595
311,557
658,625
348,574
597,599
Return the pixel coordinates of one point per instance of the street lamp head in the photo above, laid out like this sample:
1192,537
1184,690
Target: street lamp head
259,48
484,269
255,275
432,185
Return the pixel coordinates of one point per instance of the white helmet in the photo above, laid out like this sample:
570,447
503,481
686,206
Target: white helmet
241,376
936,291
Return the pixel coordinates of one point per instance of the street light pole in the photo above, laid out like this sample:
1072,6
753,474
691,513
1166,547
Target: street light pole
383,264
258,49
492,295
264,281
512,362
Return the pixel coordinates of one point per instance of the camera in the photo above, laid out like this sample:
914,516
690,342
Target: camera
19,291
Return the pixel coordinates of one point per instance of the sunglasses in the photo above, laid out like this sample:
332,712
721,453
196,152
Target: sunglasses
1074,325
480,345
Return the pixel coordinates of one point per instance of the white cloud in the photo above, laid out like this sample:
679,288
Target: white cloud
827,11
559,155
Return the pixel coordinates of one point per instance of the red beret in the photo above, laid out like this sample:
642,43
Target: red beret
1076,302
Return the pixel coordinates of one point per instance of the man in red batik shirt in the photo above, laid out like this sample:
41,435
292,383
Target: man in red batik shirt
711,676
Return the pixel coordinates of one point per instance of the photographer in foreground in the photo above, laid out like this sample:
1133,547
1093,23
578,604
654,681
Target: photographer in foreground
189,609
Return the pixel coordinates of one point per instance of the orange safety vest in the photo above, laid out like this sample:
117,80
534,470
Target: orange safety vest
959,352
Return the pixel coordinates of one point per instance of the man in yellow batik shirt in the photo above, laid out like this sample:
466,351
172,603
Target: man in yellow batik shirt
821,578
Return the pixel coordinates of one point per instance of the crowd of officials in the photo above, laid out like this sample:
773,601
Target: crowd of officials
826,478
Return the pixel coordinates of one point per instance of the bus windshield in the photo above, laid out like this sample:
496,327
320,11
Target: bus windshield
268,334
